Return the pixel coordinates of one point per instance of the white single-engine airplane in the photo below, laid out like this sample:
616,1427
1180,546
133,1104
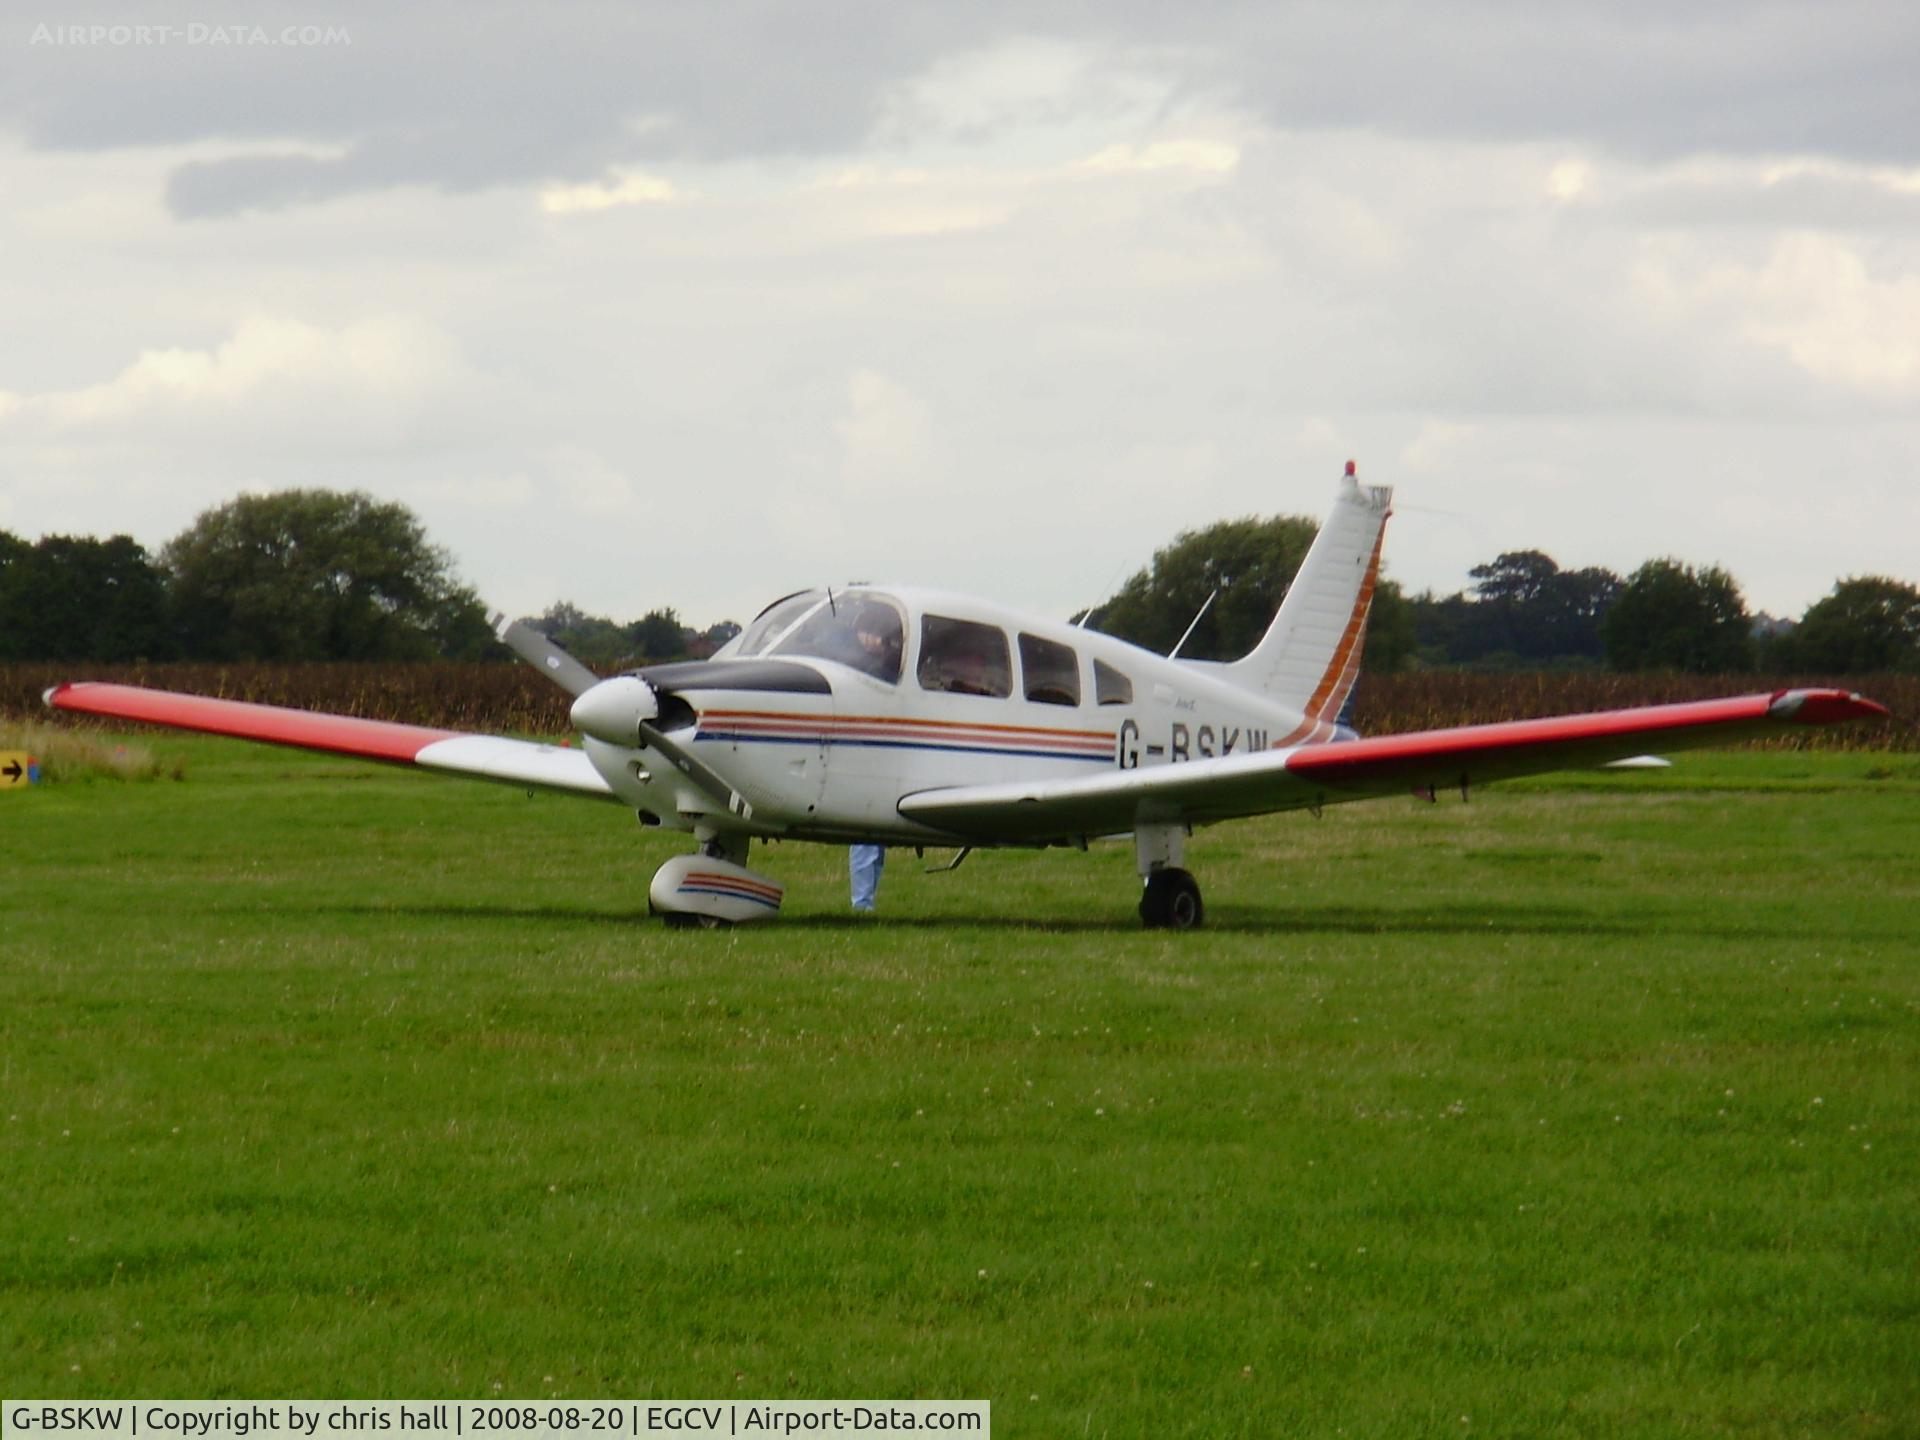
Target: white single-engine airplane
902,716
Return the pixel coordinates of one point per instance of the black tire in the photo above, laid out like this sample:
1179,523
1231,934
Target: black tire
680,920
1171,901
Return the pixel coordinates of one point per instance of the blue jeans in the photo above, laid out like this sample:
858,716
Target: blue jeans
864,864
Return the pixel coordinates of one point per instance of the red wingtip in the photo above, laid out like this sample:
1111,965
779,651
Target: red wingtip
1826,707
1864,709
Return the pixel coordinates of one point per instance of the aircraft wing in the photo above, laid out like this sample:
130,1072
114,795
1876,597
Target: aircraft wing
1201,791
483,757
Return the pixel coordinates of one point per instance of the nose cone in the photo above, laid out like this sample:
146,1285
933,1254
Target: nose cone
613,709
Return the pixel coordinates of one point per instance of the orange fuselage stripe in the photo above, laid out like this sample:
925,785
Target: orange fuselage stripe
937,726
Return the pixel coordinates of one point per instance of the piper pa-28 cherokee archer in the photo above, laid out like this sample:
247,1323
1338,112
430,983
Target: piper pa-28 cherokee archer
903,716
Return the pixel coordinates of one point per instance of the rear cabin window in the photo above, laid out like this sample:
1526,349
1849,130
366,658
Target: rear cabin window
964,657
1110,687
1050,671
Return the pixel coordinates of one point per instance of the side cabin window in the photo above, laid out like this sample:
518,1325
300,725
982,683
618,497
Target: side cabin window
1110,687
964,657
1050,671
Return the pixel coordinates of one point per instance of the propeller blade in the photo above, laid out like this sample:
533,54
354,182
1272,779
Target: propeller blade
545,656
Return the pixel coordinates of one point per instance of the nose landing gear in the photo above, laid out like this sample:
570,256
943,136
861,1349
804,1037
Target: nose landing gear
713,887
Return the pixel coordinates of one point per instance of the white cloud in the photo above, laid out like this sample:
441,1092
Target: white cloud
1816,299
1031,94
1216,157
1568,179
1813,299
1885,177
587,483
879,205
886,437
1439,444
280,402
479,492
271,367
983,191
628,188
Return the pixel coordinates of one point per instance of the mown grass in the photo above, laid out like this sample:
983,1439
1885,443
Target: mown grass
1586,1108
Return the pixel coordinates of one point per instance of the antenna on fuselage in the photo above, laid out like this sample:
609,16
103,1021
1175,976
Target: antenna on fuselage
1112,580
1205,605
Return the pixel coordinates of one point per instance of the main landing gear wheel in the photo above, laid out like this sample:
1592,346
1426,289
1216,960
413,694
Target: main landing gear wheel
1171,901
681,920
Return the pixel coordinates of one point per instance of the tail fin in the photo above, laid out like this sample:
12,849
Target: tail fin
1310,655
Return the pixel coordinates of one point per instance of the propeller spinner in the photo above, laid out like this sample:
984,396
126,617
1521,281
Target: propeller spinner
615,709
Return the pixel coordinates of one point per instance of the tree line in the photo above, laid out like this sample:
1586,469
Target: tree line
304,575
298,575
1522,612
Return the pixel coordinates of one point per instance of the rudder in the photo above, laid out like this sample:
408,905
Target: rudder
1310,656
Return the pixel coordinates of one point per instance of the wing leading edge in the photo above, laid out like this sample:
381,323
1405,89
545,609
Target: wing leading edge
1202,791
481,757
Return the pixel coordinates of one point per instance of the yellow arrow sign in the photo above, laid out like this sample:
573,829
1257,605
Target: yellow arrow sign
17,768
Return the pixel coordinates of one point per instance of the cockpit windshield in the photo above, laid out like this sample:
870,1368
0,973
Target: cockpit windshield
861,629
772,623
858,628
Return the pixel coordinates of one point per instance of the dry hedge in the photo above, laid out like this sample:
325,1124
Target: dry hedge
516,699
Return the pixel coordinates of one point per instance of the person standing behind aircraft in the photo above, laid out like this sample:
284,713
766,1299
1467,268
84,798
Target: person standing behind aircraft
864,864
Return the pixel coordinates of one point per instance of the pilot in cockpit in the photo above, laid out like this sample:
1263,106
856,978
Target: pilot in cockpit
877,630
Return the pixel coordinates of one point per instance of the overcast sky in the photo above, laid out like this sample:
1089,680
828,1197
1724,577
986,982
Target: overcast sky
693,304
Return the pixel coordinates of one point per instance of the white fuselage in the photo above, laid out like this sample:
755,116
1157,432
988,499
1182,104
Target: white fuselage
833,762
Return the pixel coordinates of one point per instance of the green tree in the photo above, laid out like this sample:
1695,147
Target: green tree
593,640
1510,614
1524,609
1583,598
13,553
1869,622
1249,563
658,635
319,575
606,645
700,646
73,597
1670,616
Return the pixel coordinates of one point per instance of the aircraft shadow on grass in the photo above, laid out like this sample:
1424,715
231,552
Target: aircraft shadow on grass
1513,920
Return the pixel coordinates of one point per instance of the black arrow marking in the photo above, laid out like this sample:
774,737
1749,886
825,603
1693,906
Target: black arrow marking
13,771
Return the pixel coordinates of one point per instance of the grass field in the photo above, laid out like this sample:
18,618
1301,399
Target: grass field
1588,1108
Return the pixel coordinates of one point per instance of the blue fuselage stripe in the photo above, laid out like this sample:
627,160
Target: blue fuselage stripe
728,895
